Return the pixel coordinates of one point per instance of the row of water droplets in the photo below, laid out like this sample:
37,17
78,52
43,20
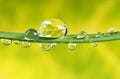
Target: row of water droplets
52,28
8,42
84,35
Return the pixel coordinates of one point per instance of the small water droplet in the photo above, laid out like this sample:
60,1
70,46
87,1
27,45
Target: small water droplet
47,46
94,44
82,34
112,30
54,44
53,28
16,42
6,41
31,34
26,44
99,34
72,46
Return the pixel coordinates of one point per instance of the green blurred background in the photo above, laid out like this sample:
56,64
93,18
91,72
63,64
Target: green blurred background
86,62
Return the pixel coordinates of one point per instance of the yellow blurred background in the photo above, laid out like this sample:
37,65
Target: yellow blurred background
86,62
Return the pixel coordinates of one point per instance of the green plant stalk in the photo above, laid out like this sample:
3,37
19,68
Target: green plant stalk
105,37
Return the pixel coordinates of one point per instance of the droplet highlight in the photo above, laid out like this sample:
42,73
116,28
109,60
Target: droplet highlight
72,46
82,35
53,28
6,42
26,44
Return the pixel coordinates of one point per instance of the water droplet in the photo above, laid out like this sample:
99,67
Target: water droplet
112,30
53,28
6,41
31,34
47,46
99,34
94,44
82,34
16,42
54,44
26,44
72,46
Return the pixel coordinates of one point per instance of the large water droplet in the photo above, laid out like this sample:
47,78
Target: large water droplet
72,46
26,44
31,34
112,30
82,34
16,42
53,28
6,41
47,46
94,44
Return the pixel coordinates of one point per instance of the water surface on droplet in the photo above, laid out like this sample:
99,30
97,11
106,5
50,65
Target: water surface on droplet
99,34
82,35
112,30
6,41
47,46
72,46
94,44
53,28
31,34
16,42
26,44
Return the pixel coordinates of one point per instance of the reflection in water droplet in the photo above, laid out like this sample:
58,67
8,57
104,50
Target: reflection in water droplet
72,46
26,44
112,30
16,42
47,46
94,44
31,34
82,34
53,28
6,41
